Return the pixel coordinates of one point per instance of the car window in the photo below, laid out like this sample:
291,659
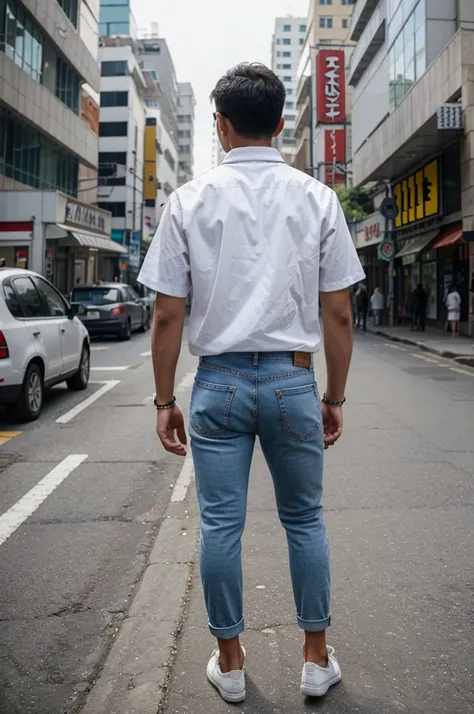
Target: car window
11,299
95,296
56,305
131,294
29,298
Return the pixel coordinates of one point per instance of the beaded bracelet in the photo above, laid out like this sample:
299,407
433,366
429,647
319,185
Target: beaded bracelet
170,404
332,402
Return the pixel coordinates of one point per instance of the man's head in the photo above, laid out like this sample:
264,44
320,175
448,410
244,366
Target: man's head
249,103
377,290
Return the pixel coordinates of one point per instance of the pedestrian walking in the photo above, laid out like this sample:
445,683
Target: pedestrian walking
260,243
419,302
362,302
453,306
377,305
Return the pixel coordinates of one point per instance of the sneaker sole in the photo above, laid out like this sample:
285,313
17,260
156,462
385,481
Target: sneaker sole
309,691
232,698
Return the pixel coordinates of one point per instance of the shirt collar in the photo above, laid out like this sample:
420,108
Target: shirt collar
248,154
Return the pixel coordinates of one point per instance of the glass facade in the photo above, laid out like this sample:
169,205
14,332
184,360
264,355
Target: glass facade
28,157
117,68
114,17
407,54
22,40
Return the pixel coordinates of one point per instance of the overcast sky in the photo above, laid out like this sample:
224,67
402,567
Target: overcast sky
206,38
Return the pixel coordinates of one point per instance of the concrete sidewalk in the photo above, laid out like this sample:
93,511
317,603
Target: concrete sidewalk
432,340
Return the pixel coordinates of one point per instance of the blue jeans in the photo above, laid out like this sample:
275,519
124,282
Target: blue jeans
237,397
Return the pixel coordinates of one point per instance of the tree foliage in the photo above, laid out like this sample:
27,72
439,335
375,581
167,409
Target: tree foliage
356,203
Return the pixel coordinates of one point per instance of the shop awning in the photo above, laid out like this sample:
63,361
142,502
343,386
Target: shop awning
416,245
452,236
91,240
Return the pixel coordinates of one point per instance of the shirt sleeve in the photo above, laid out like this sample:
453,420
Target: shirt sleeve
166,266
340,266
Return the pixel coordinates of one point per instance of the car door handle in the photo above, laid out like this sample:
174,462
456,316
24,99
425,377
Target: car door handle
36,333
63,330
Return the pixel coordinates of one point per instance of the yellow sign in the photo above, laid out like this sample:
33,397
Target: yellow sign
417,196
150,169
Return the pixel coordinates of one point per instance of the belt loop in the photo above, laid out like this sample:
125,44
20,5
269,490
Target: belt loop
255,359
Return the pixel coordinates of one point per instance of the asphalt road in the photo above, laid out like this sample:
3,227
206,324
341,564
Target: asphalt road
399,503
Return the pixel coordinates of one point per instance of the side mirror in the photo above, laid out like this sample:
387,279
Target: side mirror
70,313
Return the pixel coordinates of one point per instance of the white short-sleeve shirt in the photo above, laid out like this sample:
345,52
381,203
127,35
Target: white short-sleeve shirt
256,240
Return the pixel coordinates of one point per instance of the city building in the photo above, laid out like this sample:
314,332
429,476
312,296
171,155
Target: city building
117,19
49,142
287,42
186,104
327,27
123,88
414,67
155,56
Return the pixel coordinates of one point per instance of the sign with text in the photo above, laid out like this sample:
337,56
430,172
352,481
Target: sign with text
417,196
334,154
331,86
85,216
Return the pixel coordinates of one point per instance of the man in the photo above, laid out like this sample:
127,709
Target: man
259,242
419,305
377,305
362,301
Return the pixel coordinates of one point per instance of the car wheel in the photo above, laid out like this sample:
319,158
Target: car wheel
126,331
30,402
81,379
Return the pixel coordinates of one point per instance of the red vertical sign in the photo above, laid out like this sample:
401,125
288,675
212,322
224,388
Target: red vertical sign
331,87
334,153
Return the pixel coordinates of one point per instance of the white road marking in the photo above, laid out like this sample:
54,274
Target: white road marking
395,347
186,382
462,371
123,368
146,354
26,506
106,387
99,348
425,359
184,479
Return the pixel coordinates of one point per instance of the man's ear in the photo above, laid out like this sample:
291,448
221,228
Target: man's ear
280,127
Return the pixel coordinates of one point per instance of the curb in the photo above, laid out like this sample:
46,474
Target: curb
461,359
136,674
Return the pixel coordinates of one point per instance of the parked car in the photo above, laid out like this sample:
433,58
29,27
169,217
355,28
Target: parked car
41,342
110,309
148,298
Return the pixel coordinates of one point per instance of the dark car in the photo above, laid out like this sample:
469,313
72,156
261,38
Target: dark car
110,309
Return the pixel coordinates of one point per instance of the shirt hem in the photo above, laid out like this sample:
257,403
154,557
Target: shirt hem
162,288
342,284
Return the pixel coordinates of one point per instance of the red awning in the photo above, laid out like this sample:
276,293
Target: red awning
453,235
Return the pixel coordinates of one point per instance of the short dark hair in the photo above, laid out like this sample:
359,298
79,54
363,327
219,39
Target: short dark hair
252,98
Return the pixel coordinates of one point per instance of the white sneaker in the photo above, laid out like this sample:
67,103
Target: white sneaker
231,686
316,680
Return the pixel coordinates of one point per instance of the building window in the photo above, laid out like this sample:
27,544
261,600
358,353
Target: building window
67,85
325,42
301,41
113,128
287,41
303,28
114,17
289,92
287,133
114,99
348,2
182,118
325,22
169,159
289,117
184,134
109,161
151,102
286,54
286,28
407,55
31,159
114,69
185,149
278,41
287,78
289,105
116,208
286,66
345,23
70,9
327,2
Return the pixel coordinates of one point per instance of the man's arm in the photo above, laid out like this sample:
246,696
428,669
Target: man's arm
166,336
337,325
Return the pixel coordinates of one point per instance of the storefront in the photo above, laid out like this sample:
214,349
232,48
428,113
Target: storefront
415,264
65,240
452,269
369,235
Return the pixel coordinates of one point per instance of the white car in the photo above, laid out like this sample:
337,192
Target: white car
41,342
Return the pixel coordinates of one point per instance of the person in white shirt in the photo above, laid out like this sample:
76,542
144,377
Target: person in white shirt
260,244
453,306
377,305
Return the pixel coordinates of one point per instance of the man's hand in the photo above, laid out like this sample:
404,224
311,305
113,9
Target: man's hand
332,423
169,425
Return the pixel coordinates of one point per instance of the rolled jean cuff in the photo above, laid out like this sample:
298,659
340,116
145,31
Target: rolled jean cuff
227,633
314,625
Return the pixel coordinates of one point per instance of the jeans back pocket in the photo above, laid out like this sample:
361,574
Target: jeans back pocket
300,411
210,407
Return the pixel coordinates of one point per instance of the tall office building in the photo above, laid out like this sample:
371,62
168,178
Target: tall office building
117,19
49,142
187,102
288,40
